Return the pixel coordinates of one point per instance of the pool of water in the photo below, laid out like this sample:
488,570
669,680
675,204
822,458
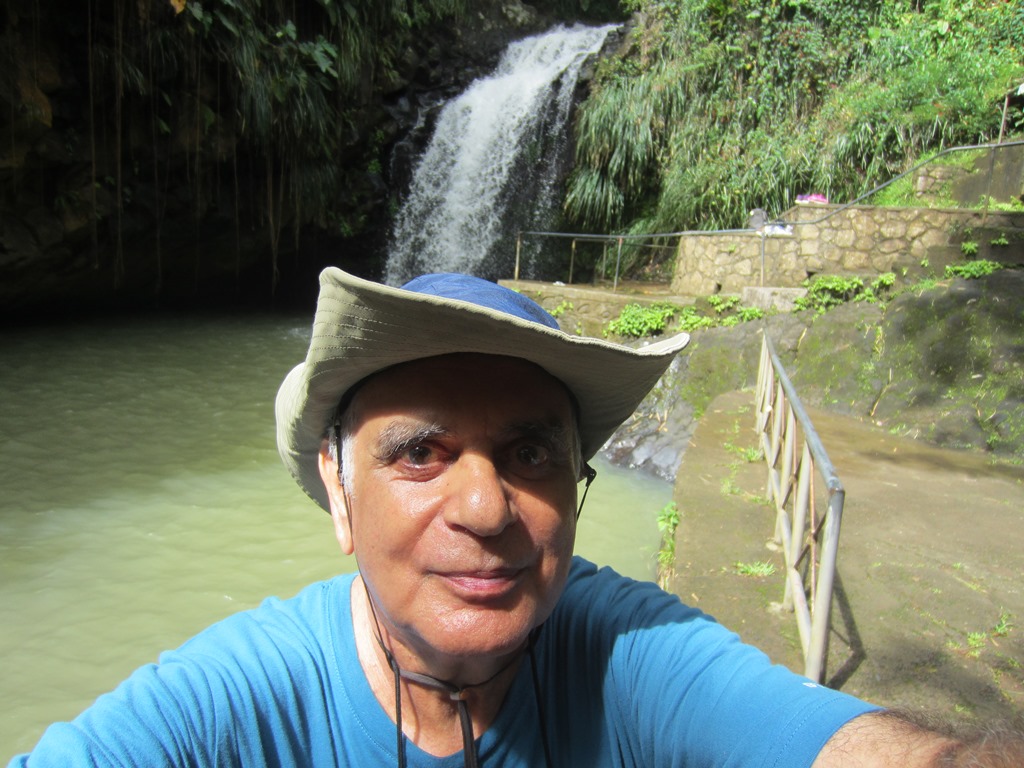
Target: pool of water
142,498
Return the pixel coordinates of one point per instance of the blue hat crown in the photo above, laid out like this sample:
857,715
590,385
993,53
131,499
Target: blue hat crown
484,293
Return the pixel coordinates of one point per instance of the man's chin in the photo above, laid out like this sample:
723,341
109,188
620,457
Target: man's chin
485,636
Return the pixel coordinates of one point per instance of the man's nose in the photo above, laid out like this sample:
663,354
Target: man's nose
480,501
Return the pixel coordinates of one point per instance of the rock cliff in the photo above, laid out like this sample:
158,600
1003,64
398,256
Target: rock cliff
132,171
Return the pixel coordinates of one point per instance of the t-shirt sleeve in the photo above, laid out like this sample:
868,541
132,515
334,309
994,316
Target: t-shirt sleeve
680,689
243,692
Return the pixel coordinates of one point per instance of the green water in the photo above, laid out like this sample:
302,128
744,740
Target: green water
142,498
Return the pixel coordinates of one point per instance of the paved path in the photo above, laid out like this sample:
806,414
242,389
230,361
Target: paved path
929,610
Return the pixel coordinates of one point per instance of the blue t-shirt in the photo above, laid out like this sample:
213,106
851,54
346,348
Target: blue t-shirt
628,676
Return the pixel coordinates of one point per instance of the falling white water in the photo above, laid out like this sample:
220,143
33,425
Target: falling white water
495,145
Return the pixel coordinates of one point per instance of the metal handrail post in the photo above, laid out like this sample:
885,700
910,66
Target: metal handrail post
519,248
618,264
762,257
810,549
826,585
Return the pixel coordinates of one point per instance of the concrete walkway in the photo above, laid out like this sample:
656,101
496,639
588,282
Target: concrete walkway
929,608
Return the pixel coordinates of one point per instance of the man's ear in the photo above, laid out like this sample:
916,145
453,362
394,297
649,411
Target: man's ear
337,499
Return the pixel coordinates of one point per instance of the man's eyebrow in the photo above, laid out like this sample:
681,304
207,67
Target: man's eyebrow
554,432
397,437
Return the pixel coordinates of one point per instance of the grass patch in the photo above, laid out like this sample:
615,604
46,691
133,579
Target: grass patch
761,568
668,521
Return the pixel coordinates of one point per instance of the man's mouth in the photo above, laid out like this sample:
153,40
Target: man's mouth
486,584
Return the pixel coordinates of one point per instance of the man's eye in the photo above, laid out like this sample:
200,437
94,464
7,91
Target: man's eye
532,455
419,455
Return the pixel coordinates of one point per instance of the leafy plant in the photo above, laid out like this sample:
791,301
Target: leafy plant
749,454
1001,240
1003,626
878,288
690,319
637,320
722,304
562,308
969,248
827,291
668,521
973,269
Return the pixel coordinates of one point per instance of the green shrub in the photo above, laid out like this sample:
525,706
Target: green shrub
721,304
691,320
746,314
561,309
827,291
1015,205
973,269
637,320
879,287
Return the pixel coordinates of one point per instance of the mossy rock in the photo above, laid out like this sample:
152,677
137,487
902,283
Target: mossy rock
833,367
957,357
944,365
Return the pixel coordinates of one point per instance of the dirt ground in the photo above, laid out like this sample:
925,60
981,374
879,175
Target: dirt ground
928,613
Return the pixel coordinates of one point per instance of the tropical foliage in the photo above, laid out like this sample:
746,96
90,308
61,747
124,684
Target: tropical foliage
296,76
722,106
261,97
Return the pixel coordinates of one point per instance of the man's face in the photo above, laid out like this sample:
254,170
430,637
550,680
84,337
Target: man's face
462,501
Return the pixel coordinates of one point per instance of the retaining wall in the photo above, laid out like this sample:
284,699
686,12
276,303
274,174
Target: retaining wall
859,240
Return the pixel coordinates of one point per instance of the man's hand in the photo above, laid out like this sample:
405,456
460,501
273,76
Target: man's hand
889,740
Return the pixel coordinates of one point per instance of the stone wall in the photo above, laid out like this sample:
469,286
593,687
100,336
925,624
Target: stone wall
858,240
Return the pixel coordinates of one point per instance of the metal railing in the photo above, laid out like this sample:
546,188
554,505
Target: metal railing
809,537
606,240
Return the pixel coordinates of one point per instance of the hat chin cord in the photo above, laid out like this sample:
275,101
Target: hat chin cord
455,693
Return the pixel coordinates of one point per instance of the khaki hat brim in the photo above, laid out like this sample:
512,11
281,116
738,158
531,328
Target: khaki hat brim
362,327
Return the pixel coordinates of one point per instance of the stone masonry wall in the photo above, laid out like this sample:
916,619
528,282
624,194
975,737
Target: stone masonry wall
859,240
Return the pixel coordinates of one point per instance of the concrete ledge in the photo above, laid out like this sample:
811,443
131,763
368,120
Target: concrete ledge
781,299
585,309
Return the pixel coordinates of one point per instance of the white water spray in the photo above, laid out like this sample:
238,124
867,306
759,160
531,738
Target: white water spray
494,148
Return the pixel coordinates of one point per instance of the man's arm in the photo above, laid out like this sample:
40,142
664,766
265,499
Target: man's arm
892,740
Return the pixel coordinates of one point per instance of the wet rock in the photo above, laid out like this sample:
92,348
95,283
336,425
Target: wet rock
653,439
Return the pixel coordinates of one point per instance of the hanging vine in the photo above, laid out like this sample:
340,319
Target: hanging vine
94,218
119,77
183,99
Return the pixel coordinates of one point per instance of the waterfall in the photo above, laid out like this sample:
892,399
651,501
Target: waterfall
492,165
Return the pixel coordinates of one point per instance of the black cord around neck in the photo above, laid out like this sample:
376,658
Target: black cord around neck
457,694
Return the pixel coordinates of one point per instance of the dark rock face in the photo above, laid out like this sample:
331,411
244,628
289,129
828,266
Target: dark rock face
139,216
654,437
957,363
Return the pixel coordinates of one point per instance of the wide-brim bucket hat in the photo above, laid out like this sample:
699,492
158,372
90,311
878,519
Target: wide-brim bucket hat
362,327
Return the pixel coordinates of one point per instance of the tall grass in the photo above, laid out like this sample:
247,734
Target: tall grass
719,107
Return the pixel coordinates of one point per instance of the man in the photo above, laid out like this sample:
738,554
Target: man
445,427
